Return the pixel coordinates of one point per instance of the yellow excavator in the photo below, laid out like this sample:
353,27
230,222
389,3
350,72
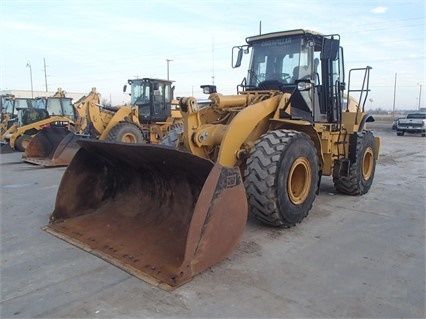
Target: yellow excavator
147,119
165,213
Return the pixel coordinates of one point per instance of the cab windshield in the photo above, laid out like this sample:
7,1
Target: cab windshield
7,106
140,95
60,107
22,103
68,108
40,103
283,60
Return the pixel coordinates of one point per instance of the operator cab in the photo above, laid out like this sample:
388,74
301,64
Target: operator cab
153,99
44,108
10,104
61,106
306,64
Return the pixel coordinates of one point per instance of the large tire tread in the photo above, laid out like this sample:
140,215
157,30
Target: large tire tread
354,183
122,128
261,179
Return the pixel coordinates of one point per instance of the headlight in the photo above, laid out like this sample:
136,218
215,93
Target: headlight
304,86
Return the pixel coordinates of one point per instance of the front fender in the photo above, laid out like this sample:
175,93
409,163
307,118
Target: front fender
243,126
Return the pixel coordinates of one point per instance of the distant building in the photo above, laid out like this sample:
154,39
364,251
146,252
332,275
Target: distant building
28,94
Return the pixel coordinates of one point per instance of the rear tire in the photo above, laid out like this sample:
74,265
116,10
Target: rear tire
172,137
361,173
281,177
22,142
126,132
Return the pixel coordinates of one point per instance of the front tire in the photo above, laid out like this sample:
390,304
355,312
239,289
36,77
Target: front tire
361,173
126,133
281,177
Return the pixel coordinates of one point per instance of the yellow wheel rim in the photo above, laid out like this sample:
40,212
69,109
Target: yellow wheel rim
129,138
367,163
299,180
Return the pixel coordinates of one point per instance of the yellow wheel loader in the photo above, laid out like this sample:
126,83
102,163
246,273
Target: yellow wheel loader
147,120
165,213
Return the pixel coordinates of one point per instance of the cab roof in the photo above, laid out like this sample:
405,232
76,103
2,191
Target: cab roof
274,35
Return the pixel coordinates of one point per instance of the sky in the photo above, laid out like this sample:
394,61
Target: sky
102,44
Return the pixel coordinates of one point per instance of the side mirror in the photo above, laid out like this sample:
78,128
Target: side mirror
330,49
124,88
239,58
241,50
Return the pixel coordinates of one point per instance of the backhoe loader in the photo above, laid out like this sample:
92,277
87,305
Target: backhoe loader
147,120
166,213
41,112
9,106
54,144
7,111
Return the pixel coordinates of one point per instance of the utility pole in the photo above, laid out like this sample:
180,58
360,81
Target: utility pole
168,60
394,97
31,78
420,95
45,74
213,61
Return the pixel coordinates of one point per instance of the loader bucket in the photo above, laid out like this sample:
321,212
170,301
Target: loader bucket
158,213
5,148
52,146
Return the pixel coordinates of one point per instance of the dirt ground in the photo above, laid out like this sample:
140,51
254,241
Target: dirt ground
352,257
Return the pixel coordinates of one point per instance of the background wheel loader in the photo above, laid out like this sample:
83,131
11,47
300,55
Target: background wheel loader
146,120
166,213
40,112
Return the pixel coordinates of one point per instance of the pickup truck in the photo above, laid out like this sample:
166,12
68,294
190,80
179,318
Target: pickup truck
414,123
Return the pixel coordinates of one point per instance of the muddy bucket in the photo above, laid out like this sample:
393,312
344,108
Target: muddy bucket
158,213
52,146
5,148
